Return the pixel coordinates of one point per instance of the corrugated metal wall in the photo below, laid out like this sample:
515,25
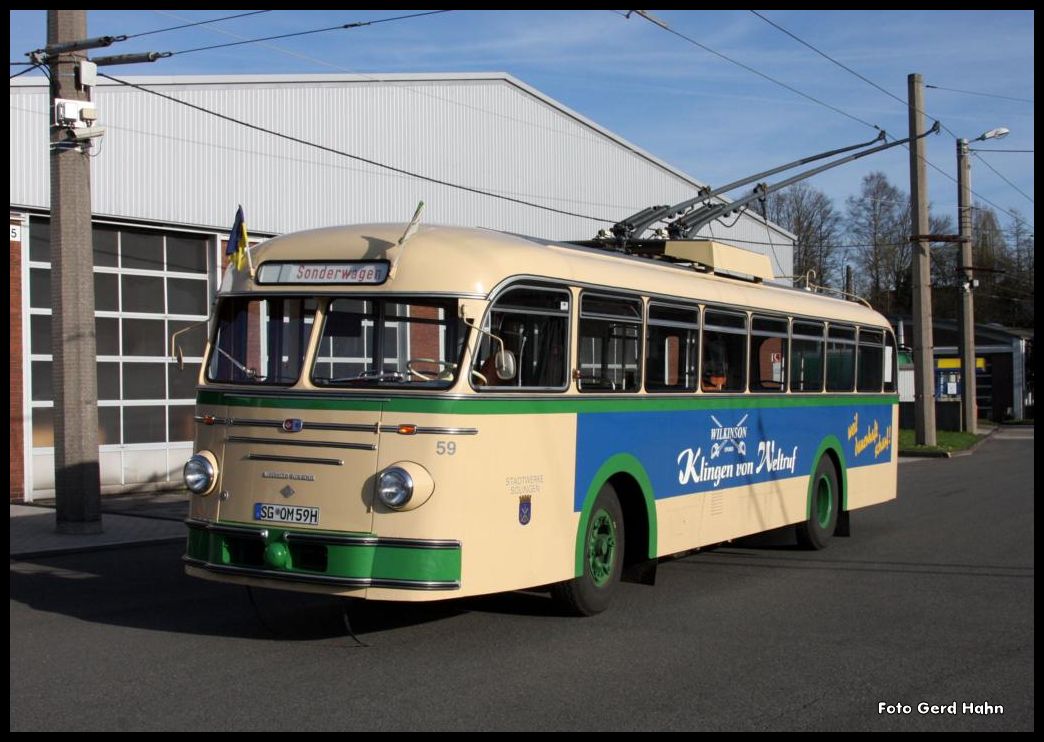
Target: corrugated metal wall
161,161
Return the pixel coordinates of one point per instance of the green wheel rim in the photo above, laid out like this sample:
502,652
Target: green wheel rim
824,502
601,547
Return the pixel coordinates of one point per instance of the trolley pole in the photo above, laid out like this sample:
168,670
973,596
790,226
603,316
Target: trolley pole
924,367
76,470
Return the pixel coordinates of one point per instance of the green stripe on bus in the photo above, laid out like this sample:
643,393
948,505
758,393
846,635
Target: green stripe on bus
373,561
394,563
551,406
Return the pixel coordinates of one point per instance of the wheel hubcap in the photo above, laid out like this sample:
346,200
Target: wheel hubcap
824,502
601,547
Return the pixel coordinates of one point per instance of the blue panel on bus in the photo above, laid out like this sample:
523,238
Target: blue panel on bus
689,451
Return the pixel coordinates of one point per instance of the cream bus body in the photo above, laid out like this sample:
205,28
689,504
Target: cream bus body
505,478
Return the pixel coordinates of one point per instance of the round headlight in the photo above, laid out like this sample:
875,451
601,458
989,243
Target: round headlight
199,474
395,487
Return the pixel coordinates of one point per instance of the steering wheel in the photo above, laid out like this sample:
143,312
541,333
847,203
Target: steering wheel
449,367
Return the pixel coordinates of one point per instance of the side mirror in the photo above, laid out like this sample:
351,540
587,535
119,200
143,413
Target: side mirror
175,348
504,362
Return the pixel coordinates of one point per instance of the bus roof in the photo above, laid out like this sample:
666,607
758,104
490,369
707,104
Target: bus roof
469,262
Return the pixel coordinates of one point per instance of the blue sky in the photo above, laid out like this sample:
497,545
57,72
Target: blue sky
694,110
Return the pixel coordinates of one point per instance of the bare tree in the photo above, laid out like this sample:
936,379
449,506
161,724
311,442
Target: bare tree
879,242
878,230
1019,284
991,263
1021,240
946,257
811,216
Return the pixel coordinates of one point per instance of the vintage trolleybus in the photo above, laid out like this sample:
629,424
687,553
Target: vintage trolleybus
469,412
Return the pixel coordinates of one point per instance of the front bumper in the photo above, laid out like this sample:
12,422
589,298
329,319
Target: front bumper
323,558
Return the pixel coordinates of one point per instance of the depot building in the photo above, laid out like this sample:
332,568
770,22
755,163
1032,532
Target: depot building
296,152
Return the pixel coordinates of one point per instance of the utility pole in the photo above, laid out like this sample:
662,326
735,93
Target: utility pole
76,471
924,365
966,284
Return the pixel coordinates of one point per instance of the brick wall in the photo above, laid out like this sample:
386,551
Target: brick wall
17,462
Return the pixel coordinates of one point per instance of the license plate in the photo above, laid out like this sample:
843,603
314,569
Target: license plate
286,514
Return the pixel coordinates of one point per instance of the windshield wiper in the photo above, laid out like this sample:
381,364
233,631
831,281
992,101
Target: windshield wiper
251,373
369,376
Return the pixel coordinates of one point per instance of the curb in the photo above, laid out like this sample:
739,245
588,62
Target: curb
971,449
948,454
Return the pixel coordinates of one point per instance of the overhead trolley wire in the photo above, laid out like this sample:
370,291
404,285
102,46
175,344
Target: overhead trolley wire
997,173
356,24
928,162
828,57
987,95
197,23
757,72
905,103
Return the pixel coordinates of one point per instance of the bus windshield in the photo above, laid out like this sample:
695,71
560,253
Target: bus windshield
261,341
385,342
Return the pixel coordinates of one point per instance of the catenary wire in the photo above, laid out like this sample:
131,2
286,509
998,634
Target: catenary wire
823,54
886,92
752,70
356,24
972,92
197,23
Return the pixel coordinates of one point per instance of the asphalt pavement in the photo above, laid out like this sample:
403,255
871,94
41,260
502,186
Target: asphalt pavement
929,602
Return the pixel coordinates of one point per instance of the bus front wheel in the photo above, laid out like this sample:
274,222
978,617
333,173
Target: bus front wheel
824,501
603,544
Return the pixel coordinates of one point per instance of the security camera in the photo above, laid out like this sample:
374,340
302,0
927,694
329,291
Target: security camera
86,132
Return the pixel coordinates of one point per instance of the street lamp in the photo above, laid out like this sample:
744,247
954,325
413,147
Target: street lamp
967,282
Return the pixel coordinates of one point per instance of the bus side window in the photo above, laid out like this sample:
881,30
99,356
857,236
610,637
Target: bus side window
768,346
870,360
672,348
840,355
609,344
533,325
806,353
724,351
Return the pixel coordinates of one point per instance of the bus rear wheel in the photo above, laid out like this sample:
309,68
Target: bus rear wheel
603,541
824,501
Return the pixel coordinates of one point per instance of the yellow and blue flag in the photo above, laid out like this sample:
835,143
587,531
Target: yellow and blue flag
237,241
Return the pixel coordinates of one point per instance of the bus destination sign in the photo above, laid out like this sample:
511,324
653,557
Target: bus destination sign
359,272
